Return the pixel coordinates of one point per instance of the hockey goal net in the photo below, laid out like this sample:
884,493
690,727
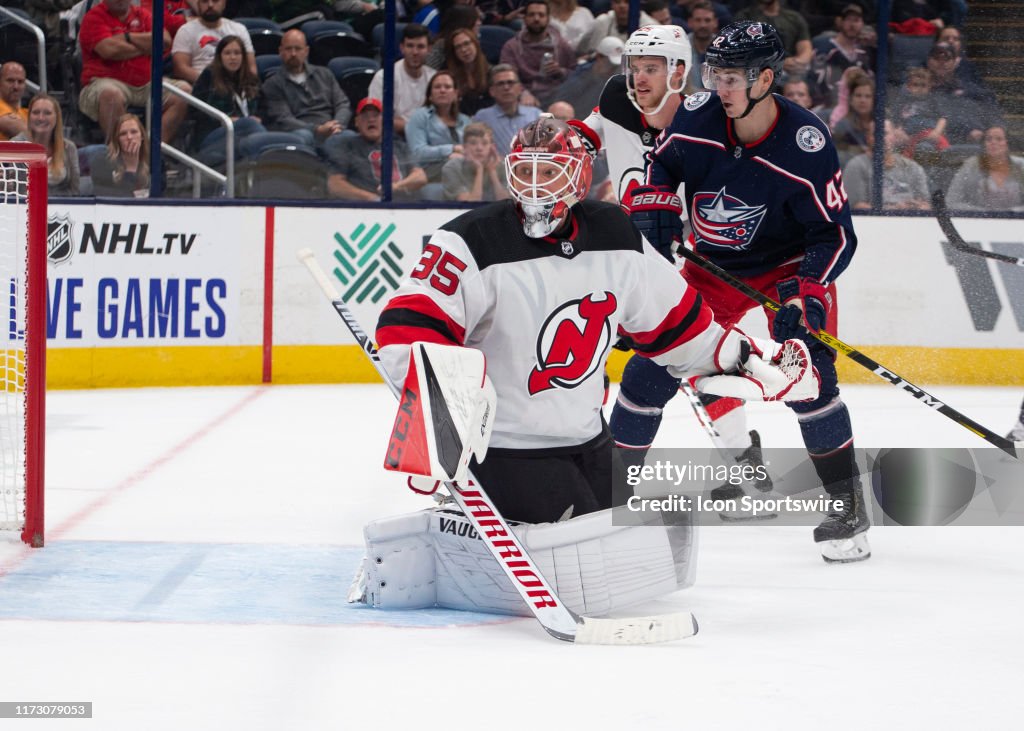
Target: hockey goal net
23,181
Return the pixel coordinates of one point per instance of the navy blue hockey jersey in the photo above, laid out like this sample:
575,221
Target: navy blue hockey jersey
754,207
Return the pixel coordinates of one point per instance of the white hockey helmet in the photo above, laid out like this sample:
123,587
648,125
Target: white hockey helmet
669,42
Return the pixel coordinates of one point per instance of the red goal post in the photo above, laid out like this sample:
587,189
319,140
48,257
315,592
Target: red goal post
23,250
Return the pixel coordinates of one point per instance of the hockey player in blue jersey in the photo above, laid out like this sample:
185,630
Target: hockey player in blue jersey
633,109
765,198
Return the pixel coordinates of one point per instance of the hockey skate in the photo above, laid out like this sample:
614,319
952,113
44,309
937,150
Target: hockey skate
842,535
1017,432
759,486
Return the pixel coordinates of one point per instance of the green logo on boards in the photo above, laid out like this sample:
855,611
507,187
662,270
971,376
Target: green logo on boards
368,262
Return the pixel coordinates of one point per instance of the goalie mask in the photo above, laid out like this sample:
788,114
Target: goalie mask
548,172
669,42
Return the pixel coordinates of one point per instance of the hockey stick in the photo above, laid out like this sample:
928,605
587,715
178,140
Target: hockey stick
558,620
857,357
701,412
957,241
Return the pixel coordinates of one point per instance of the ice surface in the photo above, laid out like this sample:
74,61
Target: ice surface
200,542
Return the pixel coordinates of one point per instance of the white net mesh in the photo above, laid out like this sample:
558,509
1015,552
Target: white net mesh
13,259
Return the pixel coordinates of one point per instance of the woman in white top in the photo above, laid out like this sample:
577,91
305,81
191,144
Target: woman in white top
993,180
571,20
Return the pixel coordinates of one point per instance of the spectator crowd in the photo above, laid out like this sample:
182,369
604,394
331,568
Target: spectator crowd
304,77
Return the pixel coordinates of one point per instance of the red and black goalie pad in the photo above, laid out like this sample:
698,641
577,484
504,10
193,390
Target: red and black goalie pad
445,413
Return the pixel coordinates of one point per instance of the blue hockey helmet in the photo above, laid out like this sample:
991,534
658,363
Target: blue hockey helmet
745,44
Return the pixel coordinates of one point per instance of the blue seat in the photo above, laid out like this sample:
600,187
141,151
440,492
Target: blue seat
267,65
907,52
252,24
263,141
492,38
286,171
377,38
313,28
337,43
265,41
356,85
344,64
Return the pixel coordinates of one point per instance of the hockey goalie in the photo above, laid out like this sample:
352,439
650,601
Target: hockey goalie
500,336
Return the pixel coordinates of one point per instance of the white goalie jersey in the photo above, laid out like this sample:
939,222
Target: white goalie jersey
545,312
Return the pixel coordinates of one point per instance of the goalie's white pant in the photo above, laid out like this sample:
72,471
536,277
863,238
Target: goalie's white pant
435,558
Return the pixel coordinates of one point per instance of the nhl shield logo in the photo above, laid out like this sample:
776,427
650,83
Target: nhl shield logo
724,221
567,248
59,246
810,139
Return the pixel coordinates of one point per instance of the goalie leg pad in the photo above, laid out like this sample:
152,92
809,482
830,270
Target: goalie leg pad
435,558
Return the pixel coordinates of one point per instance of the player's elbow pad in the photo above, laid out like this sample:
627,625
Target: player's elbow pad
591,140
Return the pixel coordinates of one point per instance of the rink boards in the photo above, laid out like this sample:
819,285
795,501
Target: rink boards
192,295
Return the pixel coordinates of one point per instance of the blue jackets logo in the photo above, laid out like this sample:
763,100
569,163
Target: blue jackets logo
725,221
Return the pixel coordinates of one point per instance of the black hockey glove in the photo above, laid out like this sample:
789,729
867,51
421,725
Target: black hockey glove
811,312
655,211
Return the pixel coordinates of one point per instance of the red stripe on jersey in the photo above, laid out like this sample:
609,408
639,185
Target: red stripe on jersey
407,335
691,307
413,310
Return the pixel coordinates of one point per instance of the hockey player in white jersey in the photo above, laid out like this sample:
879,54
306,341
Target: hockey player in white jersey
634,107
638,103
541,285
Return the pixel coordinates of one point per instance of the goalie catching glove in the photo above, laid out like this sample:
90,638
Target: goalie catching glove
762,370
445,414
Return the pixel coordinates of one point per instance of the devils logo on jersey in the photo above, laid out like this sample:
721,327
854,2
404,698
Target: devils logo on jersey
572,343
720,219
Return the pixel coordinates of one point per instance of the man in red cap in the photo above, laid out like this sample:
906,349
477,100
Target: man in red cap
356,168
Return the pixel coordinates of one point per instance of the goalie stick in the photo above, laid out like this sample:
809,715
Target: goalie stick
557,620
857,357
957,241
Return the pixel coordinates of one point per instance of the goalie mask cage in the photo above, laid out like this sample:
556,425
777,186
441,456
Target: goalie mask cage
23,243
